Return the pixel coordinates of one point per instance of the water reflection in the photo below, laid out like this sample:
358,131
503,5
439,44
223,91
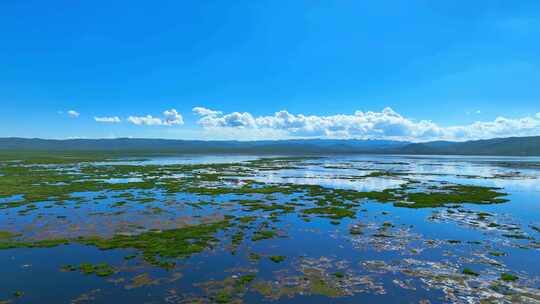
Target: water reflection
182,160
361,184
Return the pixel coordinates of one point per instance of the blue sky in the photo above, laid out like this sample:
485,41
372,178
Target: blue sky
415,70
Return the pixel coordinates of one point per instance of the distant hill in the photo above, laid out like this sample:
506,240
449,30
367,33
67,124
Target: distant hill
510,146
300,146
518,146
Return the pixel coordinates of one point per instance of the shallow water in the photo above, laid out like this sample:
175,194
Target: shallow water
399,255
181,160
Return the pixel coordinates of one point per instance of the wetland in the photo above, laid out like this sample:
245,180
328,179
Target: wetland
97,228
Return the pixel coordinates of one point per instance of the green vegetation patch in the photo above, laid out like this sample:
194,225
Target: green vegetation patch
101,269
245,279
331,212
384,174
470,272
264,235
4,235
339,275
18,294
453,194
314,282
229,290
508,277
158,246
10,244
277,258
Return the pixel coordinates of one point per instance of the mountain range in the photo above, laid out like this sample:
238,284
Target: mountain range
510,146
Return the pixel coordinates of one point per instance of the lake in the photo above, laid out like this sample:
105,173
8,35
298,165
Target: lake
276,229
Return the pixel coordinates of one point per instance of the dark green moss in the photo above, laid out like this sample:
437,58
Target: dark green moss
237,238
223,297
453,194
18,294
331,212
33,244
69,268
508,277
383,174
277,258
259,205
118,204
263,235
4,235
339,275
245,279
518,236
482,216
470,272
156,246
101,270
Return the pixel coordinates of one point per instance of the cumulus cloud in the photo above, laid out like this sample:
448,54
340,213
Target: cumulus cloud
386,124
147,120
73,114
170,117
206,112
112,119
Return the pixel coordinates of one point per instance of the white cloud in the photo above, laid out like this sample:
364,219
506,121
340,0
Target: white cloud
205,112
112,119
145,120
73,114
171,117
386,124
